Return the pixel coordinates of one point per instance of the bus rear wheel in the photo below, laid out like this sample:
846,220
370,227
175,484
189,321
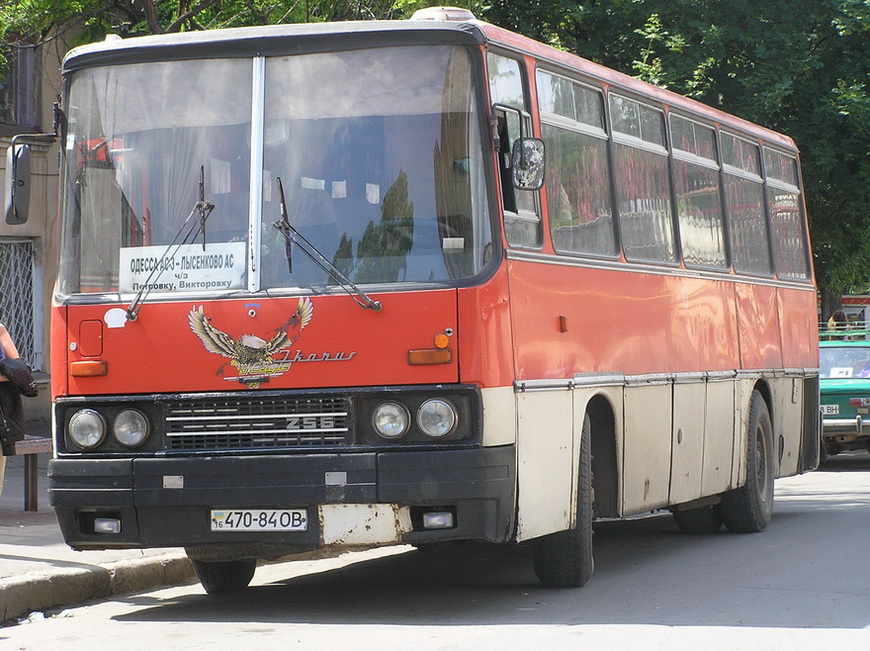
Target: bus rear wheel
748,509
224,576
564,559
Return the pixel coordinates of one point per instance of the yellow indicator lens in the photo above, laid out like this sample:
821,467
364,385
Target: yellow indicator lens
442,340
88,368
428,356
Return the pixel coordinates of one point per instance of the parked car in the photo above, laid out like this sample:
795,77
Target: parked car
844,363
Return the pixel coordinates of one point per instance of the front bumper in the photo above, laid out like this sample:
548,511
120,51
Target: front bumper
167,502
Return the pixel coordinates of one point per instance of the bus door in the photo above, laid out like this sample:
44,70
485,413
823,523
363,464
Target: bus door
545,419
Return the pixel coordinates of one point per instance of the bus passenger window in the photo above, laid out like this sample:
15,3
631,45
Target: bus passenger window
784,205
578,172
697,186
744,200
642,177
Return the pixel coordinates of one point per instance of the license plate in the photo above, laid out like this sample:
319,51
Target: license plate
830,410
259,520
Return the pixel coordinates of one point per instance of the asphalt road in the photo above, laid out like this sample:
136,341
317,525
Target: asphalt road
804,583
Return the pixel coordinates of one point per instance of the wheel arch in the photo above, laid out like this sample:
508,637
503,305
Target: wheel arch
605,469
763,387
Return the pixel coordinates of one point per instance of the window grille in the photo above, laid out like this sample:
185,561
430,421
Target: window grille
16,295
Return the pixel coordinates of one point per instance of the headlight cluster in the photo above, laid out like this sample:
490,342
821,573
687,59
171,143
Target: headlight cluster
88,428
437,418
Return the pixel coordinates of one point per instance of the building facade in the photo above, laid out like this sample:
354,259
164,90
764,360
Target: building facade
28,252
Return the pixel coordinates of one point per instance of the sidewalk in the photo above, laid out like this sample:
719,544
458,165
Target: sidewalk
39,572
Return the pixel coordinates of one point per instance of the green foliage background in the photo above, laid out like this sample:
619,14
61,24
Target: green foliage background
801,67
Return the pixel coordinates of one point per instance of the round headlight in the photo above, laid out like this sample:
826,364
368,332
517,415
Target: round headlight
87,428
391,420
437,418
131,428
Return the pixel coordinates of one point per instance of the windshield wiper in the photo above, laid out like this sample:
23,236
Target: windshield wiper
292,235
202,206
203,209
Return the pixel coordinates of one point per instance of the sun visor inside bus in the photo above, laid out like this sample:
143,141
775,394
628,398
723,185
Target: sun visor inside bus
369,82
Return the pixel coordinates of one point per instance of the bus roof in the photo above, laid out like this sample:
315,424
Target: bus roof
269,40
274,40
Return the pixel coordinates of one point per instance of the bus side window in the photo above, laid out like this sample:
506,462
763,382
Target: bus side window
522,221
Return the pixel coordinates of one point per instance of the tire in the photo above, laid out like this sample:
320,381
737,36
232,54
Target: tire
224,576
703,520
748,509
564,559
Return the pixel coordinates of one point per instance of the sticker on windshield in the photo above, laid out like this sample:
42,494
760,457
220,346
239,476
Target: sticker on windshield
186,268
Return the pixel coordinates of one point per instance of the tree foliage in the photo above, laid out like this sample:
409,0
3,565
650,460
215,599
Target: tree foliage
798,66
801,67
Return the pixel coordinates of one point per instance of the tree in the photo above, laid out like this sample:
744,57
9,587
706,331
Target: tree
801,67
797,66
30,23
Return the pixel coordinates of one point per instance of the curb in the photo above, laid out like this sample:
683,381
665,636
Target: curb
38,591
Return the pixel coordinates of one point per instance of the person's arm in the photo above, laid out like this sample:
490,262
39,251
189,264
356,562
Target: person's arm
8,348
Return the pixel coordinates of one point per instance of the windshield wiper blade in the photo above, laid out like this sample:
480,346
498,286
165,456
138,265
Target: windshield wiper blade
292,235
202,208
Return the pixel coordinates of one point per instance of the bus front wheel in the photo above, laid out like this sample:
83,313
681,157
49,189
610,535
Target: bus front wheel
748,509
224,576
564,559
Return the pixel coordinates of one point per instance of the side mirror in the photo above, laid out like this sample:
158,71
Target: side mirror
16,195
527,162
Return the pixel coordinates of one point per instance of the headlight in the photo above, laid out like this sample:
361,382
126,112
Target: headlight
391,420
87,428
131,428
437,418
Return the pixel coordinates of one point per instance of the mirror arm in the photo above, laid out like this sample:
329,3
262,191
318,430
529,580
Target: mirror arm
521,116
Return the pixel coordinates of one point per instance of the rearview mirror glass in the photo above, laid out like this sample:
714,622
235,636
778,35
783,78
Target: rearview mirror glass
16,193
527,161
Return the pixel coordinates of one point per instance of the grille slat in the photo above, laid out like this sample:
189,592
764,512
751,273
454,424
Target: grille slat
261,423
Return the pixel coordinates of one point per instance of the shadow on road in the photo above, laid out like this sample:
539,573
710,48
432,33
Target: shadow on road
646,573
853,461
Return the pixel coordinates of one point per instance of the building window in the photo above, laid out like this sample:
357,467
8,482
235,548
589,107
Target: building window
18,88
17,281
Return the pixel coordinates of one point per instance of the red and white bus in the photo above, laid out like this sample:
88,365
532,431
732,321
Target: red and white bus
376,283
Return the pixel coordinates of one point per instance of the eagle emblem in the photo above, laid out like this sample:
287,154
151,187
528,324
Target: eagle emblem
250,354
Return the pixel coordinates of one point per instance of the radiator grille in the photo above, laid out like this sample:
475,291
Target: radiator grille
258,423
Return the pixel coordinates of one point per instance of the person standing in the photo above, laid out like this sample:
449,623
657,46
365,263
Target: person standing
7,351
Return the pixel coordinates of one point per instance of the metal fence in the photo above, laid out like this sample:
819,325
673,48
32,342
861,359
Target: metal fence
16,295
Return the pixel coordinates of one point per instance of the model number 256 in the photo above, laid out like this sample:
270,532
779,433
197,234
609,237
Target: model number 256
310,422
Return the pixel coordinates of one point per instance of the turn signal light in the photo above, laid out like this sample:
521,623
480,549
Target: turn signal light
87,368
428,356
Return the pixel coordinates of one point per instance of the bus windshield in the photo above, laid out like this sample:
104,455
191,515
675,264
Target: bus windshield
172,172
